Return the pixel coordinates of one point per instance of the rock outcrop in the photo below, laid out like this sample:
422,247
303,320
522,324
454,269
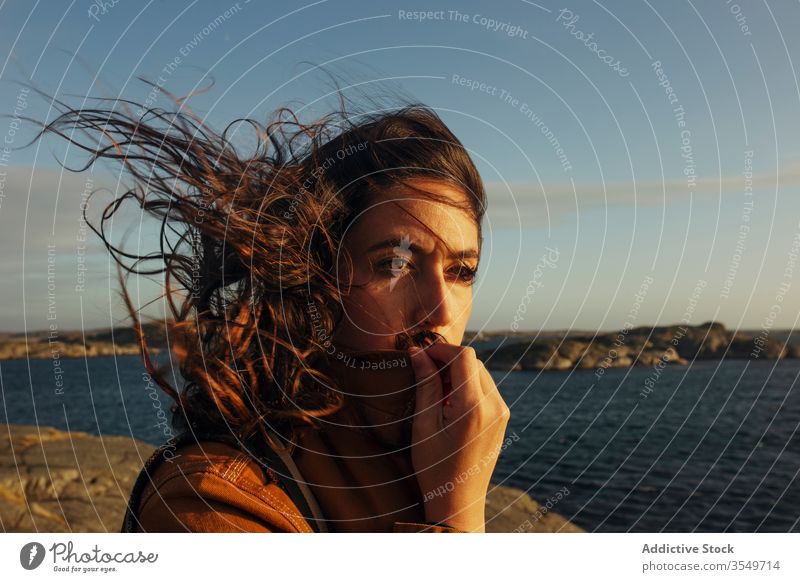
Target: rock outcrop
119,341
639,346
56,481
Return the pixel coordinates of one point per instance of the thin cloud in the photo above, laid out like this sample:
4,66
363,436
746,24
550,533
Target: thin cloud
529,205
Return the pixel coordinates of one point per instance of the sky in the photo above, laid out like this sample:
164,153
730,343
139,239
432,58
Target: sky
640,158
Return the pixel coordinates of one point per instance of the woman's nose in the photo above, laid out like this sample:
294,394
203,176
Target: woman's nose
432,303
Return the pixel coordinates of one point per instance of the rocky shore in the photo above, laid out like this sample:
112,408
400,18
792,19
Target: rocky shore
639,346
56,344
56,481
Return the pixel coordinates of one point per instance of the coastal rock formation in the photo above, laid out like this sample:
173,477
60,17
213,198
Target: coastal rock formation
639,346
509,509
56,344
56,481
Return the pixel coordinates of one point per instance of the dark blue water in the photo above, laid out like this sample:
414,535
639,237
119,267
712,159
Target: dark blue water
713,448
101,396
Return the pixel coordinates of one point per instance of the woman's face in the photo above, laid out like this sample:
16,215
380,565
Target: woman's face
405,278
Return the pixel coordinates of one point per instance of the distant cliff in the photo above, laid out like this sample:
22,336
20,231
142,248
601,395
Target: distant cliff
639,346
120,341
56,481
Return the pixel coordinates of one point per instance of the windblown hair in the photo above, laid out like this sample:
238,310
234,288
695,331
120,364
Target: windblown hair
257,239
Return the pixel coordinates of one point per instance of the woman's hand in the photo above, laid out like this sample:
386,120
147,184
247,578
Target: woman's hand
455,444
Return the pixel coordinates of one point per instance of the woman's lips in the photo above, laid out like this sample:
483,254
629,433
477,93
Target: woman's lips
426,338
422,339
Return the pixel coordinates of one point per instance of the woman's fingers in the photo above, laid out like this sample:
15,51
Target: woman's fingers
491,392
427,413
472,388
487,382
466,390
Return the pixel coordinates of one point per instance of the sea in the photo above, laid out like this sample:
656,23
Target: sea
709,447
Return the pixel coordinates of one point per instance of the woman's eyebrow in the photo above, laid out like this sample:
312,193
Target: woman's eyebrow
405,244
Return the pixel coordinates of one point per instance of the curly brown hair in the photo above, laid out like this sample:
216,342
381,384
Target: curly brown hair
257,239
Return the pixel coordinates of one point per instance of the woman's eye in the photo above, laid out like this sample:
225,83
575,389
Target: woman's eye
395,266
465,273
399,266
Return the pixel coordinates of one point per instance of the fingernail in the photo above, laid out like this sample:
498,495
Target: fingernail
414,350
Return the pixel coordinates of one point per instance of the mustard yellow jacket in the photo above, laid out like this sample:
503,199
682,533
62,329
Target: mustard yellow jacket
213,487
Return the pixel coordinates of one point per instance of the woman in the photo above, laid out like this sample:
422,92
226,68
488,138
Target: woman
310,274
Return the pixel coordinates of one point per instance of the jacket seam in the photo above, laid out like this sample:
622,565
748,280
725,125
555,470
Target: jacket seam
232,466
200,466
287,513
258,489
258,493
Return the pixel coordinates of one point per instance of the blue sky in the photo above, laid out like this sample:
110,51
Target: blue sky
564,107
